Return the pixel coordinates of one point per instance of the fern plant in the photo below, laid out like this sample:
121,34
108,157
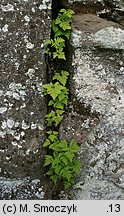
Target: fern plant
62,162
55,48
62,29
59,97
62,25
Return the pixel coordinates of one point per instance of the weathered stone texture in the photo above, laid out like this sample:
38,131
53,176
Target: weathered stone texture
22,189
96,116
25,25
114,3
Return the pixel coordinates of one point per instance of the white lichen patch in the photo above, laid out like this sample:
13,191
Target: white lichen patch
7,128
15,129
110,37
17,136
10,123
46,4
27,18
29,45
5,28
72,1
16,124
94,91
1,92
16,90
24,57
30,73
8,7
25,38
39,88
25,126
4,125
17,65
40,194
76,37
3,110
33,9
33,125
22,133
23,106
41,127
85,1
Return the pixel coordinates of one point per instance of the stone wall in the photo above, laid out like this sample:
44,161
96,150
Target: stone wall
25,25
96,113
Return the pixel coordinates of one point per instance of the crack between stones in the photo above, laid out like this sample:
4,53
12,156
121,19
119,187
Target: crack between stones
51,67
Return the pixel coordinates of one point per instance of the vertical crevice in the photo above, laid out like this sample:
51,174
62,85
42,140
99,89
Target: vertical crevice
57,5
56,65
52,67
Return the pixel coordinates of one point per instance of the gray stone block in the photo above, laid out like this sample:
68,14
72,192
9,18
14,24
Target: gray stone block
25,26
96,116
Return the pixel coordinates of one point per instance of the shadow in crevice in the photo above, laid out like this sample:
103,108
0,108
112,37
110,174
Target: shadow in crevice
57,5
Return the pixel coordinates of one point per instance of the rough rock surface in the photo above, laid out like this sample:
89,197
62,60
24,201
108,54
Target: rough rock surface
113,3
25,25
21,189
96,115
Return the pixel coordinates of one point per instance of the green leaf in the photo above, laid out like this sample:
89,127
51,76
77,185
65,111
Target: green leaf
53,137
69,155
59,112
55,133
65,26
62,10
50,172
51,102
63,144
54,117
47,51
58,20
49,132
46,143
54,147
67,175
51,114
58,119
54,178
48,160
77,166
55,162
59,41
67,185
57,169
54,26
53,89
59,33
69,11
73,146
48,42
67,34
59,105
55,54
61,78
50,117
64,160
61,96
61,56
